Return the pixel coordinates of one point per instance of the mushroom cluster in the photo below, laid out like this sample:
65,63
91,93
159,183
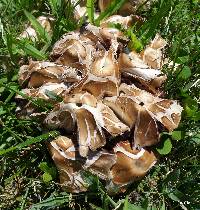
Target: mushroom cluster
110,109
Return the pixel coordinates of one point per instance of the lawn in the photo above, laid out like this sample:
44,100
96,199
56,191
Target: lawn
28,176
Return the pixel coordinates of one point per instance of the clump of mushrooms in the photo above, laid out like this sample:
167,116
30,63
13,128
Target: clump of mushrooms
111,110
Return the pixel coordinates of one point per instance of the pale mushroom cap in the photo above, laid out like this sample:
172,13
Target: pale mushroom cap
30,32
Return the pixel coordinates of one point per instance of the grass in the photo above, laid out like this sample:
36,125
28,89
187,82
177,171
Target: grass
28,178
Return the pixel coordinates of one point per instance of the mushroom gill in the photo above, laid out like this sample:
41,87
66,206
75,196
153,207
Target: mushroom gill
109,110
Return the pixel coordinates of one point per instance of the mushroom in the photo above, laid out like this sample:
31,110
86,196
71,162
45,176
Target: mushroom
100,164
30,32
131,164
46,91
63,152
125,22
167,112
131,64
103,77
153,55
71,166
110,112
38,73
74,50
91,120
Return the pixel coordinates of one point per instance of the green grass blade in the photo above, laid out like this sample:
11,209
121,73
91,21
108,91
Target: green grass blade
32,51
52,202
149,29
37,102
130,206
112,8
30,141
90,10
42,33
53,5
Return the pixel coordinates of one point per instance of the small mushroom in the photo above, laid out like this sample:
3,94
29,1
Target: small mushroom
132,63
128,8
100,164
46,90
146,131
62,116
90,134
104,77
125,109
79,8
71,165
153,55
29,32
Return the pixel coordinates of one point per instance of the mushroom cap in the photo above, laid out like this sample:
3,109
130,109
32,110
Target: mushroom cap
153,53
146,131
132,63
74,49
62,116
167,112
100,163
90,135
63,154
38,73
29,32
124,108
131,164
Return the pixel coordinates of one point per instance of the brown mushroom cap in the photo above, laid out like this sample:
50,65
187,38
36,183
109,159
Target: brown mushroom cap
166,111
133,65
39,73
63,154
125,109
146,131
90,134
74,50
131,164
100,163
